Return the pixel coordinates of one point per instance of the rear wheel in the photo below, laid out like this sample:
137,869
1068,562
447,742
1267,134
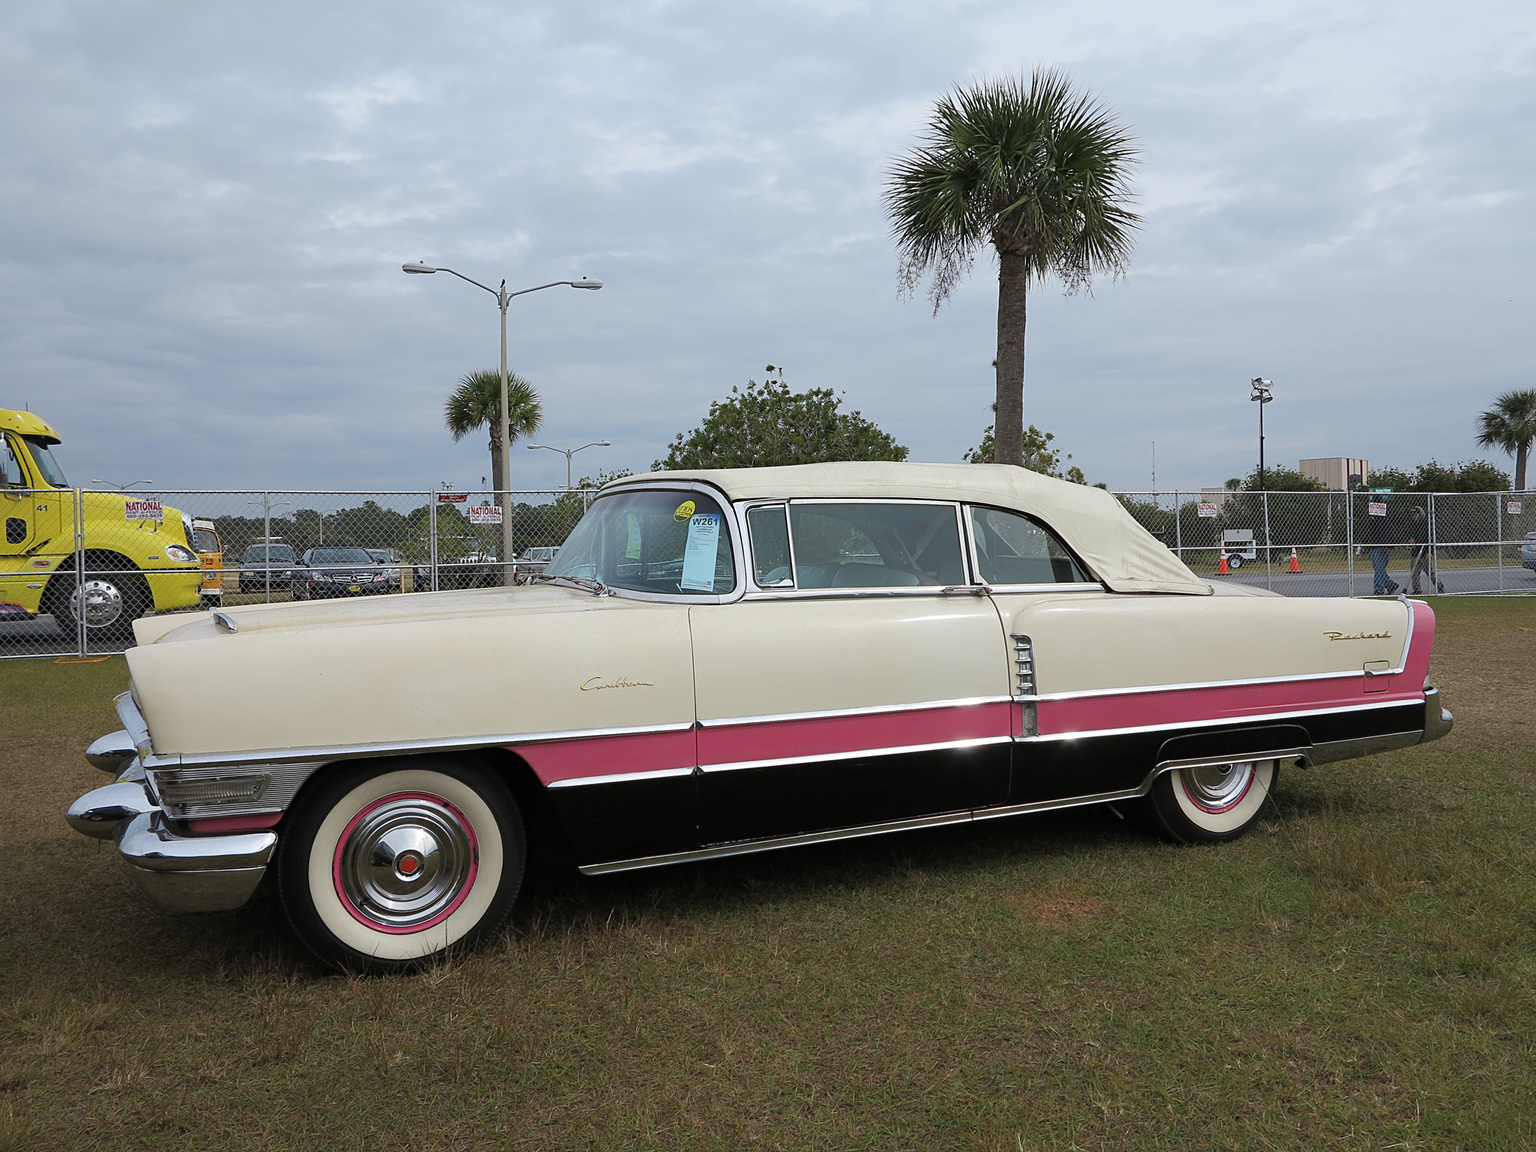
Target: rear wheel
1212,803
387,865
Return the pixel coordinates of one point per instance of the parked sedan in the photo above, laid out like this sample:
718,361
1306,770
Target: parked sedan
265,566
720,662
1528,551
392,566
328,572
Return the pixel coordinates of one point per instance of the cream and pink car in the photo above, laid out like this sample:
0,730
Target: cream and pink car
721,662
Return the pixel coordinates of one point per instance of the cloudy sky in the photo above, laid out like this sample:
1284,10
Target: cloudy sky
206,207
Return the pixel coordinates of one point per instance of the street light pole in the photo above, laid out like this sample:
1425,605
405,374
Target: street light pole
503,298
569,452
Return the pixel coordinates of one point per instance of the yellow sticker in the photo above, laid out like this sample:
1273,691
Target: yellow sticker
684,511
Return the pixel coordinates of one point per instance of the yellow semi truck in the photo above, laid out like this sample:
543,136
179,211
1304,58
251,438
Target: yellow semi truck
103,563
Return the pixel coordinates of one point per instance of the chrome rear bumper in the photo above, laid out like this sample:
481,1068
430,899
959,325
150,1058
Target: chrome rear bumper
179,873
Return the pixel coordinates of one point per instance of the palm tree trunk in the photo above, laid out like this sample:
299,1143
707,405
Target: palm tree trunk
1522,456
1012,290
496,481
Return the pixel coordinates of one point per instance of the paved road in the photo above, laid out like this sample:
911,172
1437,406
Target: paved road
1509,579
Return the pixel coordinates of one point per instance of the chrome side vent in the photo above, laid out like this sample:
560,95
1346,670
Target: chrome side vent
1024,664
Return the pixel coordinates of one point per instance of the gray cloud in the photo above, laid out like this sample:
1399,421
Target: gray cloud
206,209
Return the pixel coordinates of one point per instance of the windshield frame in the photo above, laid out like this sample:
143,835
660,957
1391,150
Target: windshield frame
732,523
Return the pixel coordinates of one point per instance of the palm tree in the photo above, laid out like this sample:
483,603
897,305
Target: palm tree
477,402
1511,425
1037,171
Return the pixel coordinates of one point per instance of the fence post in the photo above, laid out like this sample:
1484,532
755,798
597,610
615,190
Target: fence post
81,640
1269,558
1498,534
1349,539
1178,528
432,536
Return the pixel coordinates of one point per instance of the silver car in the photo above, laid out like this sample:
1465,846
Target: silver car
1528,552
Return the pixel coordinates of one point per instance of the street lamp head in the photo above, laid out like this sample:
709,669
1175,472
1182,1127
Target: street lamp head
585,283
530,447
418,269
603,444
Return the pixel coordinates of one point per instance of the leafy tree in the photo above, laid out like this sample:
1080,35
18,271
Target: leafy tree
1467,476
1482,476
767,424
476,402
1038,172
1282,480
1511,425
1036,454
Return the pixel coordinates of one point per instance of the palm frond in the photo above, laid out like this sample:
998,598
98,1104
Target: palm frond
476,403
1028,166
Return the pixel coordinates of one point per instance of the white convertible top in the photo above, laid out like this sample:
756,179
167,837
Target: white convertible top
1120,552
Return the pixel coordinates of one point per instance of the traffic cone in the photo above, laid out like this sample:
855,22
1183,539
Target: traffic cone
1221,567
1295,563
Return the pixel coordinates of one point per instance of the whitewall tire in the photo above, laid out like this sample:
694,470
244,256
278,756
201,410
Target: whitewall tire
385,865
1212,803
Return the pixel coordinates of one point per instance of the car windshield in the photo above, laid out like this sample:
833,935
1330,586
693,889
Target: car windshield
651,541
340,556
46,464
378,555
262,553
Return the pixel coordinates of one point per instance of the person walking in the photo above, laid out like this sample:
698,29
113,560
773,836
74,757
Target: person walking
1423,556
1378,539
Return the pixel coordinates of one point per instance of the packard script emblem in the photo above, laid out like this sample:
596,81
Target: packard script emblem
595,684
1358,635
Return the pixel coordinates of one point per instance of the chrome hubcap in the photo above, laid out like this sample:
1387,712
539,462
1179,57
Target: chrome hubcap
97,603
1219,786
406,862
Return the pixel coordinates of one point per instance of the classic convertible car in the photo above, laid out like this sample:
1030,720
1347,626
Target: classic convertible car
729,661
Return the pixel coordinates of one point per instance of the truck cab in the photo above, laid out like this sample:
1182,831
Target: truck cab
95,560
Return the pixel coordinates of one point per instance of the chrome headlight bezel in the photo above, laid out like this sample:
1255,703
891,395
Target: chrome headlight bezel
180,554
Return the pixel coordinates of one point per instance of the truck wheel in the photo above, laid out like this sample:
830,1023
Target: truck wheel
1234,562
1210,804
108,601
387,865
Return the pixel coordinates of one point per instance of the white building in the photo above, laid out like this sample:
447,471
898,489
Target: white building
1336,472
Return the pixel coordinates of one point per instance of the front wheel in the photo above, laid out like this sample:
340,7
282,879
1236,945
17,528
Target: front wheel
388,865
1212,803
107,602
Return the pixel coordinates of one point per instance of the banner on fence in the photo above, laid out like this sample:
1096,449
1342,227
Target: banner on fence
1207,510
485,514
1514,508
452,497
1376,508
144,510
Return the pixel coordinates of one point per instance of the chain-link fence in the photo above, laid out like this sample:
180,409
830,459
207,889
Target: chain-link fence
1350,543
78,566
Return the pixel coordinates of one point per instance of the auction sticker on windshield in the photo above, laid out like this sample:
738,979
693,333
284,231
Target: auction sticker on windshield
699,552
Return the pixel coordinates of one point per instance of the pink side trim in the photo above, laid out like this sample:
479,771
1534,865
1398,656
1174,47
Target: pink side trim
791,739
212,824
608,755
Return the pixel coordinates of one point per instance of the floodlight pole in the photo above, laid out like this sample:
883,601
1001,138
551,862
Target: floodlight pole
1261,393
503,298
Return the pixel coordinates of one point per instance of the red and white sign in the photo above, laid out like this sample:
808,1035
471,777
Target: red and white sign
485,514
452,497
1207,510
143,510
1513,507
1376,508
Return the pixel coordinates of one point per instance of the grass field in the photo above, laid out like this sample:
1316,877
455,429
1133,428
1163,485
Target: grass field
1358,973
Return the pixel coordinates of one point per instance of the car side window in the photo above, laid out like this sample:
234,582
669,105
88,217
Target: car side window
768,528
1013,549
875,545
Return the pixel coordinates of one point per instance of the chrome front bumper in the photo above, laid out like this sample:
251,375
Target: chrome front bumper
179,873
